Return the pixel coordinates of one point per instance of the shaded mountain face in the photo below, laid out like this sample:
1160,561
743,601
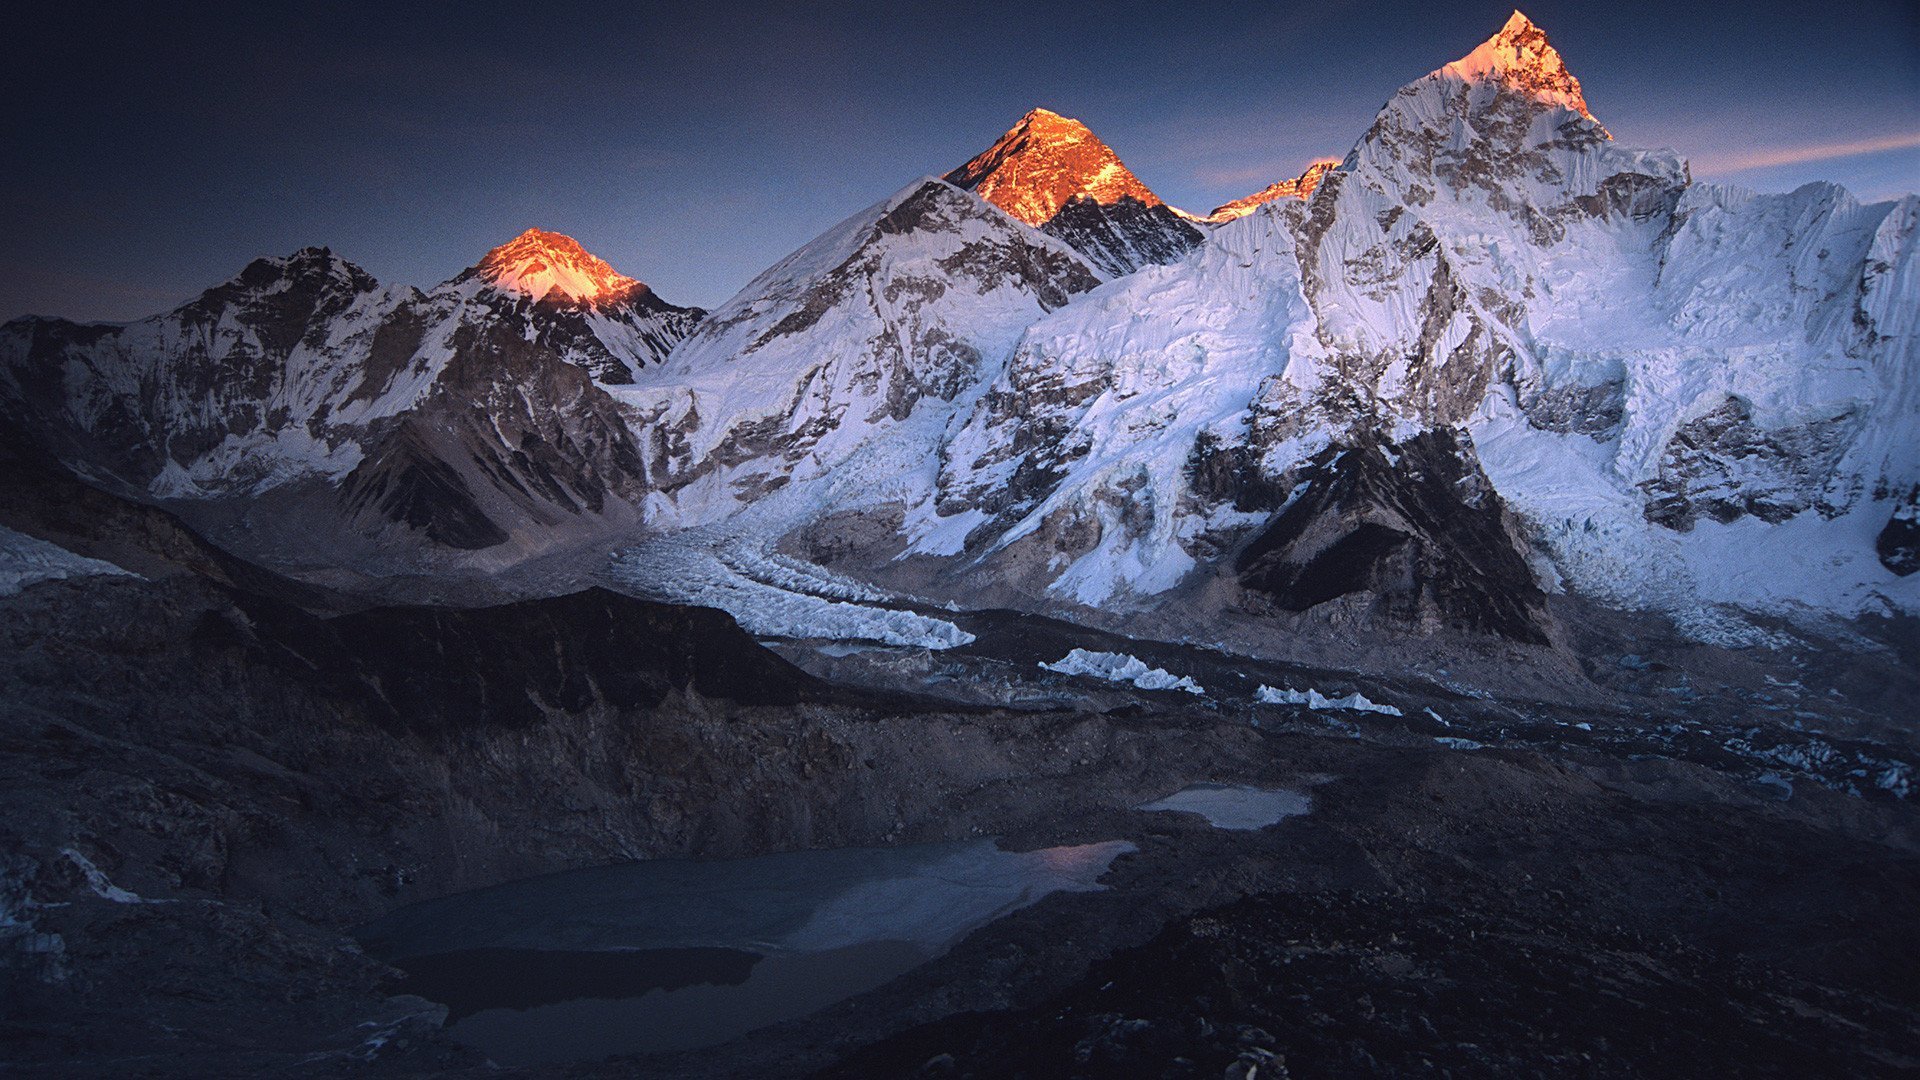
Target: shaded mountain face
219,392
506,435
1056,175
1414,528
305,372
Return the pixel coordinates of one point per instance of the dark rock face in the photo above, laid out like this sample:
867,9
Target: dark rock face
406,483
1595,411
1898,545
573,329
1221,472
1724,466
439,669
1414,526
1123,236
511,435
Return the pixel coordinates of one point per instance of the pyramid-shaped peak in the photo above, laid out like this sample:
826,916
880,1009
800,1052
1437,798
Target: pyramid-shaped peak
1519,25
554,267
1049,121
1521,57
1044,161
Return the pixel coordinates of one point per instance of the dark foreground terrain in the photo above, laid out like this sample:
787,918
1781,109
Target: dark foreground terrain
209,775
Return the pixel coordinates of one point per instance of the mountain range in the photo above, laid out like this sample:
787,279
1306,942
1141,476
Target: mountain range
1030,629
1488,357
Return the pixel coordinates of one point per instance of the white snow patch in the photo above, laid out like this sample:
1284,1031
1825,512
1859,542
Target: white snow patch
1120,667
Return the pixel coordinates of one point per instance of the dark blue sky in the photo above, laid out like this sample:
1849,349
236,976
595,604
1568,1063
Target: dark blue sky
153,152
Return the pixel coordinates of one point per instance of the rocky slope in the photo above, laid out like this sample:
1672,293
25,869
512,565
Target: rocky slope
208,782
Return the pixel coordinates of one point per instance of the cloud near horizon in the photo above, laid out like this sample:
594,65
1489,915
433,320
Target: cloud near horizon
1776,156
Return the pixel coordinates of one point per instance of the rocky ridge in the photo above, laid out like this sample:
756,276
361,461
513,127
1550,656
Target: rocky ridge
304,377
1300,187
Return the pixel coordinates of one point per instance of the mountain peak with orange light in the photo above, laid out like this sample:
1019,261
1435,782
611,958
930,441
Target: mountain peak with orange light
554,268
1042,162
1299,187
1519,56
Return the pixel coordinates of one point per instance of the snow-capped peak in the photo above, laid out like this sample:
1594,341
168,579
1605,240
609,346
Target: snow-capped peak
1521,57
1300,187
1042,162
552,266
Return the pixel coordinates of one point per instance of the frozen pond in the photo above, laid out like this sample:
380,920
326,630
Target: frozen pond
680,954
1235,807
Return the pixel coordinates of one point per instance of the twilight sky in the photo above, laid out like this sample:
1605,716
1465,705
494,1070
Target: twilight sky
154,152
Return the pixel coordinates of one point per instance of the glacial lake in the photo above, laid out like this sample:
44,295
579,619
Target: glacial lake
681,954
1235,806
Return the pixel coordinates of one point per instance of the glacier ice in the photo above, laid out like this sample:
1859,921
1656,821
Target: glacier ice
1120,667
1314,699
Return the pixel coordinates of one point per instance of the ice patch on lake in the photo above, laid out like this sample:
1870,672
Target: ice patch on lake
1235,806
27,560
1119,667
1314,699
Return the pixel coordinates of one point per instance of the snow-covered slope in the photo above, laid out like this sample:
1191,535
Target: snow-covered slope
28,560
1053,173
1086,443
1642,365
862,341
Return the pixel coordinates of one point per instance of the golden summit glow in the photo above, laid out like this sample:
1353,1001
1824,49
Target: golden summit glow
553,267
1042,162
